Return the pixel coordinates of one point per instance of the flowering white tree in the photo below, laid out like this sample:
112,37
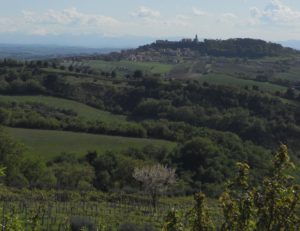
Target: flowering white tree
155,179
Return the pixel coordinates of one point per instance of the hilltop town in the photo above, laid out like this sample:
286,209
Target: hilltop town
191,48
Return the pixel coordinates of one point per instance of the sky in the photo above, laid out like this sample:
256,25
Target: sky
58,21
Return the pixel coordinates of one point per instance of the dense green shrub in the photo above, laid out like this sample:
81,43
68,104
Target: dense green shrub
133,227
273,205
128,227
79,223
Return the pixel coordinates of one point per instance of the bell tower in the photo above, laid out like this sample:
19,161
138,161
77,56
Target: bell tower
196,40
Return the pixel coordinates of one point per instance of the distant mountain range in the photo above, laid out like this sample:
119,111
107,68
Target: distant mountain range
99,41
27,52
91,41
291,43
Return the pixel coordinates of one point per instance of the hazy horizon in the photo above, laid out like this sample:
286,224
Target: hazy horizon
108,43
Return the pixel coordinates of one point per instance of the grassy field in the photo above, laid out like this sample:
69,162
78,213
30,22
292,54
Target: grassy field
74,78
292,75
49,144
223,79
84,111
150,67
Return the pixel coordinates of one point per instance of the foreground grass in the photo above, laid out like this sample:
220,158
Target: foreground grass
105,215
50,144
84,111
107,211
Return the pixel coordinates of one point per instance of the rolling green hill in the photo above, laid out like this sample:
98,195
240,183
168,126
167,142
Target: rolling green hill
49,144
219,108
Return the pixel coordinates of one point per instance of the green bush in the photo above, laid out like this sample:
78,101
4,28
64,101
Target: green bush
271,206
134,227
79,223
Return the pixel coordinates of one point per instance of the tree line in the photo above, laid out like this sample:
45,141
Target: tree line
243,48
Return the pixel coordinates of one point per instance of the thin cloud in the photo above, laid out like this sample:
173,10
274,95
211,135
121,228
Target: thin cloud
199,12
53,22
145,21
276,12
145,12
227,18
69,16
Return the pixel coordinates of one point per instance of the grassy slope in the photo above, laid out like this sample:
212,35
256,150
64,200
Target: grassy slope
48,144
224,73
292,75
152,67
82,110
224,79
